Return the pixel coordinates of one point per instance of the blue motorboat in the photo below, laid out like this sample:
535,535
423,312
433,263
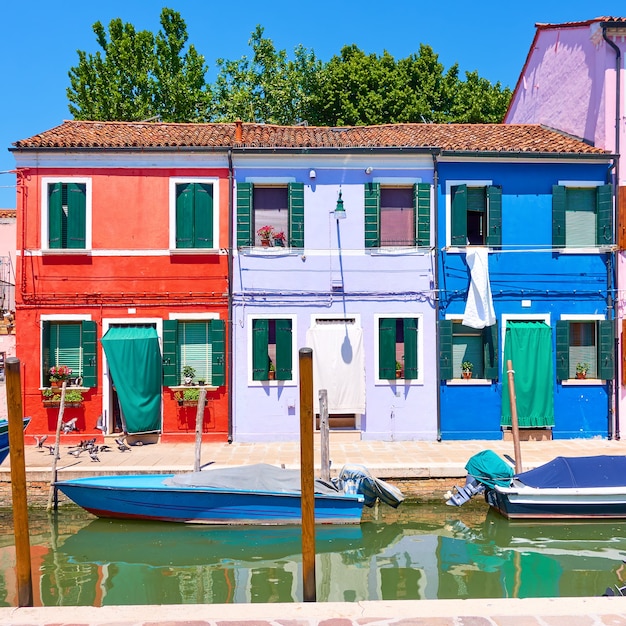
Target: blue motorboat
250,494
4,437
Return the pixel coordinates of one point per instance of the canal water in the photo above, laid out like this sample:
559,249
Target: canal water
420,551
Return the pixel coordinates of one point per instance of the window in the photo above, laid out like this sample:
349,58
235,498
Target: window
397,216
272,349
459,343
582,216
476,215
66,215
72,344
588,342
198,343
194,215
279,207
398,348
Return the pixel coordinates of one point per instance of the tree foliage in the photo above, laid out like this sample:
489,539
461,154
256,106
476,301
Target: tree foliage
139,75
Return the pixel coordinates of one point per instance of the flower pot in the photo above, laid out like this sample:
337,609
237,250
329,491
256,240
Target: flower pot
398,373
188,380
581,375
56,383
278,243
271,375
467,374
265,243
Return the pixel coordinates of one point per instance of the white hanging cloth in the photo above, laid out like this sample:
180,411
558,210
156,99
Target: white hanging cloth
479,310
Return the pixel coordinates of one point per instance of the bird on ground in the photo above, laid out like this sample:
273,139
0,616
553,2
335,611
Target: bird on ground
50,450
76,451
69,426
93,453
39,441
121,444
105,448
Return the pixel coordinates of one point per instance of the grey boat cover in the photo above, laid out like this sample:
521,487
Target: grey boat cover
260,477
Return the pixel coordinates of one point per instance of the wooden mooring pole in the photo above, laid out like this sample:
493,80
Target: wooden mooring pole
199,420
18,483
514,423
324,436
307,479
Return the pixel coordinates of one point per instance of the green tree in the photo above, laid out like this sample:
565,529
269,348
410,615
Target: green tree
139,75
267,88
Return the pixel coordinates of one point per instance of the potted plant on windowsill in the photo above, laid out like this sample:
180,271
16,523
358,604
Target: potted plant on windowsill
271,374
581,370
265,233
58,374
52,398
398,369
279,239
466,369
188,374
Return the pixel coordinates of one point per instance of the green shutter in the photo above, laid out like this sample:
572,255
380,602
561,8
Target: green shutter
458,216
284,350
296,216
171,377
562,350
260,357
490,345
559,203
90,357
445,349
218,363
244,214
372,216
184,215
604,232
387,348
76,215
421,194
606,364
55,215
203,216
411,365
45,352
494,216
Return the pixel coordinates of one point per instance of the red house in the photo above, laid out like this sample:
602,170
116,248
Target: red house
122,277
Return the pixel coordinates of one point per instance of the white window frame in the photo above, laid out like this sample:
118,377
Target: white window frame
46,181
420,349
294,351
205,180
583,184
582,317
449,185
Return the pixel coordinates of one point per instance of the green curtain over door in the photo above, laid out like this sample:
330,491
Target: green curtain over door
529,347
134,358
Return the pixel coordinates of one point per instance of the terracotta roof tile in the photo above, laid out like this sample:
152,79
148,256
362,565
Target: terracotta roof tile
500,138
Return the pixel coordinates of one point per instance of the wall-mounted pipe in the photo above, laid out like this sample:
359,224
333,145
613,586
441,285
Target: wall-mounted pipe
231,324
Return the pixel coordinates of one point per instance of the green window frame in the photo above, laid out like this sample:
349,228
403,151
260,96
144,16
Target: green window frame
585,341
476,215
459,343
398,346
420,237
194,215
199,343
582,216
272,344
246,223
67,216
73,344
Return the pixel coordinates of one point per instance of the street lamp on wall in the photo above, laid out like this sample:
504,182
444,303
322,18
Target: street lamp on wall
340,212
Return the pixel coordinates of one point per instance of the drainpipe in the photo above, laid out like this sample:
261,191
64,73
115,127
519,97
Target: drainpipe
436,286
618,58
231,324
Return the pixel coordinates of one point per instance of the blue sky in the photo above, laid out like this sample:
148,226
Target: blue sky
39,40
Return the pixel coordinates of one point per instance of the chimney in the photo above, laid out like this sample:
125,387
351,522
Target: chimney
238,131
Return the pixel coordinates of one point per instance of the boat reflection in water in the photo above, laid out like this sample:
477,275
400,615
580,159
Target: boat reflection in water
420,552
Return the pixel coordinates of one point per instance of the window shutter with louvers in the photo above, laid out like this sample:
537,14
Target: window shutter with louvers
244,215
90,346
459,216
372,215
218,341
562,350
171,377
422,215
387,348
296,215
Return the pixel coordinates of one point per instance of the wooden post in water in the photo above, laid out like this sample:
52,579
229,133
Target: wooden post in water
199,419
18,483
514,423
307,480
324,436
52,494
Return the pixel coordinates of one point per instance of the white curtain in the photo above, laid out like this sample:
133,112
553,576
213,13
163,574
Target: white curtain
338,366
479,310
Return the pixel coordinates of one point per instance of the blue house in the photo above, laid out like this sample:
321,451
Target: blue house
526,277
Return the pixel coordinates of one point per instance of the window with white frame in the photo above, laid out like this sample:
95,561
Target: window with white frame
272,348
475,215
459,344
66,215
398,347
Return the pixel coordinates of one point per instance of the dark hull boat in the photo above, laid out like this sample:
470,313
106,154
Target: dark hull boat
4,437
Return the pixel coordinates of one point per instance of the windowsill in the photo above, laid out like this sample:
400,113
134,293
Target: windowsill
474,382
271,383
588,382
272,251
74,387
65,252
465,249
398,250
397,382
196,251
181,387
